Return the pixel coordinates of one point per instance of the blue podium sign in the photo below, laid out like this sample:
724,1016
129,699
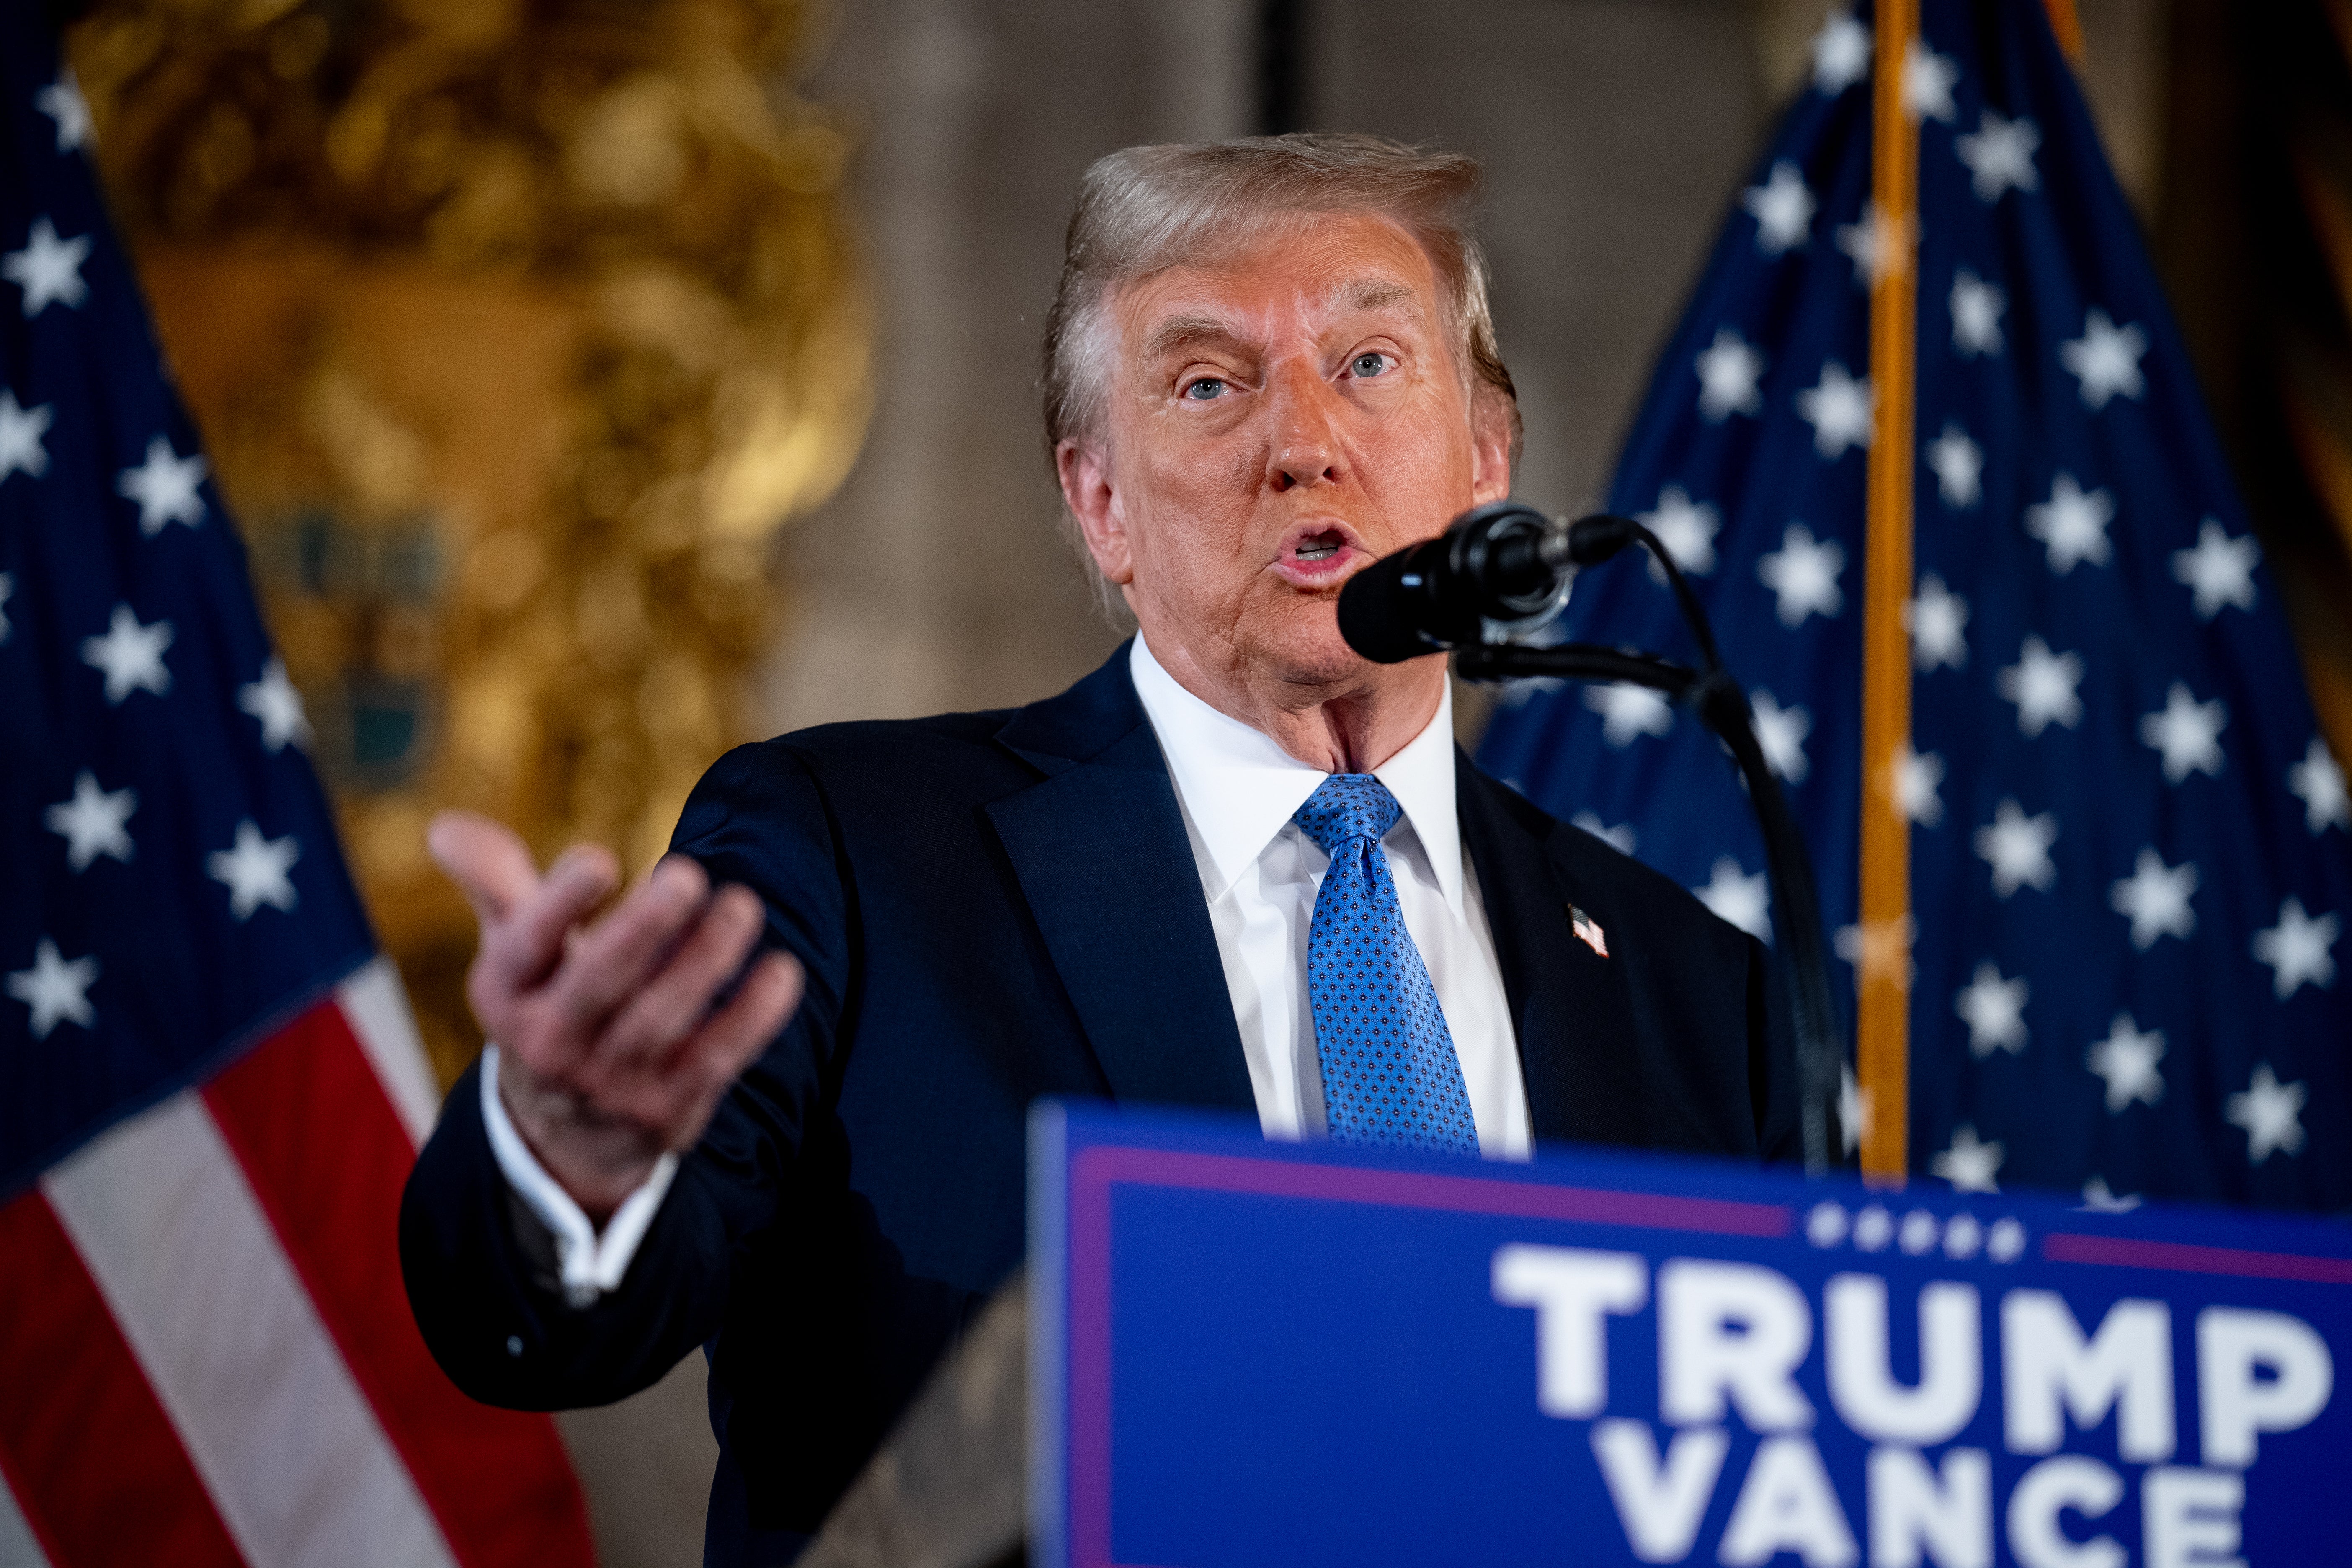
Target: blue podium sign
1248,1352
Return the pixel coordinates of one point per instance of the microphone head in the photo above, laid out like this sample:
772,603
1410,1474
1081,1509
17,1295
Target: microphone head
1379,615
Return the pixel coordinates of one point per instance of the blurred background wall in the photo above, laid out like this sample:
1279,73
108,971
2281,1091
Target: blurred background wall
602,382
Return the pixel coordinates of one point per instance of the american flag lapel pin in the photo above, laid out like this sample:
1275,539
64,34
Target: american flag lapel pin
1588,931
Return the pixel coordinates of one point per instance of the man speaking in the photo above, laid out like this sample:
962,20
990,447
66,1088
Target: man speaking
1238,867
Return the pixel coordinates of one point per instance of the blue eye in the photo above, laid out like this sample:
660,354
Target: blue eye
1370,364
1205,389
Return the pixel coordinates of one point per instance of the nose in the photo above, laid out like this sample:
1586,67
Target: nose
1305,446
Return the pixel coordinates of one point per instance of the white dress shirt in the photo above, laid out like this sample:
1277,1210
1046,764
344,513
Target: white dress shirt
1259,874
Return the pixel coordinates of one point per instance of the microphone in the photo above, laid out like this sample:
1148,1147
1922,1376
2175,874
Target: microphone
1501,562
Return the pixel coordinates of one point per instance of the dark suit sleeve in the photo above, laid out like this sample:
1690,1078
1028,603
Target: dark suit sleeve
485,1298
1772,1059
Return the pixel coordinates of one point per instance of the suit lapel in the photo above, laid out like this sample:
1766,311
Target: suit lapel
1571,1007
1100,850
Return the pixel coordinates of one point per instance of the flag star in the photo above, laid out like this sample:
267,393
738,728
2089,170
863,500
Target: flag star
164,486
1781,733
2219,571
1729,370
1928,78
1804,573
1853,1107
49,268
254,869
56,989
2188,734
1994,1011
62,102
2155,898
2098,1199
2017,847
2072,523
1688,530
1958,464
1620,837
1879,246
1879,950
2041,684
1937,620
1782,208
2317,779
91,823
2127,1059
1838,407
2297,949
1970,1165
2271,1112
1977,307
1628,711
1745,901
2000,155
131,655
1918,777
274,701
2106,359
1840,54
21,430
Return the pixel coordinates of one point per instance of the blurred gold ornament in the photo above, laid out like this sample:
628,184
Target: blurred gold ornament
515,332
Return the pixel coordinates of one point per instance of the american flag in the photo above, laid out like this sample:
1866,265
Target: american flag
210,1088
2130,860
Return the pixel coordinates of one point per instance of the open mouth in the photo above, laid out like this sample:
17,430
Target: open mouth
1321,547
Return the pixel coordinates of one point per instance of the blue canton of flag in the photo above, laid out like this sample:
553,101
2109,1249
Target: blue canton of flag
2129,864
169,885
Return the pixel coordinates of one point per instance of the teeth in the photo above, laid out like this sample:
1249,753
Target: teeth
1318,552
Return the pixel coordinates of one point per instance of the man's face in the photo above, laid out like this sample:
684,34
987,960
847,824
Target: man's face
1277,420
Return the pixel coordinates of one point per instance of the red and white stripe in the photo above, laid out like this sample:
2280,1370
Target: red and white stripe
207,1355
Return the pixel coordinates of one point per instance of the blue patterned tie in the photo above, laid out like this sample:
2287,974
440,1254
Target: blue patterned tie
1389,1074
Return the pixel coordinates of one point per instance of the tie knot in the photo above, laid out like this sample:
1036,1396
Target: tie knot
1345,807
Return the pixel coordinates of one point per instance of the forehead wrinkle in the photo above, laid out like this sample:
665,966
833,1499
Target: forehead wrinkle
1179,331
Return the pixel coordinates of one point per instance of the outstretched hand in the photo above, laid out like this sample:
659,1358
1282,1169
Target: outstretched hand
610,1053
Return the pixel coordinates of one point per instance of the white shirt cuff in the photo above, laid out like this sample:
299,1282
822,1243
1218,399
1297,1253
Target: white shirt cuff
587,1264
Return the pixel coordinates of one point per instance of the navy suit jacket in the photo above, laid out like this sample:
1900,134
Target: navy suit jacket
992,908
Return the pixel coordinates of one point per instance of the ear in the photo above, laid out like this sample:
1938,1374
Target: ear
1492,428
1084,471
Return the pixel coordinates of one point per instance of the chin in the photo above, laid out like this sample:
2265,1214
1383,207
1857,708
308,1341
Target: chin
1301,643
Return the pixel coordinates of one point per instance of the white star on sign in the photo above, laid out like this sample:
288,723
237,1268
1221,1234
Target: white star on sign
1838,407
62,102
1804,573
274,701
20,437
131,655
49,268
1728,369
1970,1165
2297,949
1918,777
91,823
1977,307
2000,155
2017,847
1853,1107
1937,620
2155,898
254,869
1879,246
2317,779
1840,54
2073,523
1628,711
1825,1224
2188,734
1879,950
1743,902
1962,1236
1957,463
1782,208
1688,530
164,486
56,990
2127,1058
2271,1112
1928,78
1780,732
1994,1011
1620,837
2219,571
2041,684
2098,1199
2106,359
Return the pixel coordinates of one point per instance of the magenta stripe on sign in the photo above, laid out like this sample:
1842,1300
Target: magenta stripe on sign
2182,1258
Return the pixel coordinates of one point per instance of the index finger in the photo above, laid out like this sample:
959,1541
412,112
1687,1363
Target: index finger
488,860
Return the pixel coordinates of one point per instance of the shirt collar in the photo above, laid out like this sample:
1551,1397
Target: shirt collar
1239,788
